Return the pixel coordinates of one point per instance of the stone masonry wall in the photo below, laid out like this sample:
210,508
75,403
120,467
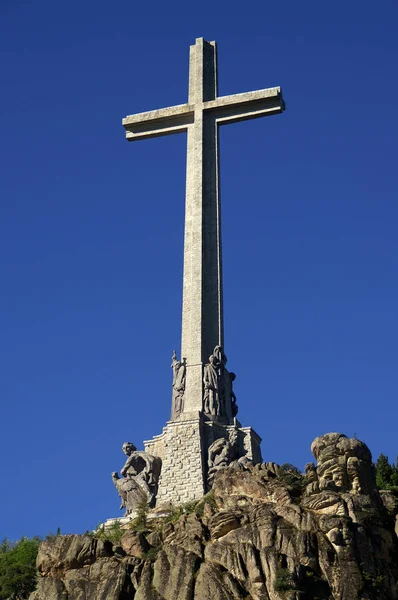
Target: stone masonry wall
183,447
251,444
181,451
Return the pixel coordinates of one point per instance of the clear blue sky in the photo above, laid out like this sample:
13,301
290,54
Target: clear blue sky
91,236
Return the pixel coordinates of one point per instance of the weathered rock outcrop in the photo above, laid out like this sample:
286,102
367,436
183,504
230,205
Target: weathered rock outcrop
263,533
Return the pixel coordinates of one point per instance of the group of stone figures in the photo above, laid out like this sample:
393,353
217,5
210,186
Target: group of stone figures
344,465
138,485
219,399
140,474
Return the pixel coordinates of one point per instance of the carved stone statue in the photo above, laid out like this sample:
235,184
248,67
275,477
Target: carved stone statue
139,482
179,371
344,464
223,378
220,454
344,468
211,380
219,398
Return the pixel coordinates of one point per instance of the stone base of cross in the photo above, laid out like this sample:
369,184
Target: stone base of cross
190,448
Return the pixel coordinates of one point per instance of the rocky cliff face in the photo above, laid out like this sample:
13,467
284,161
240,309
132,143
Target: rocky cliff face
263,533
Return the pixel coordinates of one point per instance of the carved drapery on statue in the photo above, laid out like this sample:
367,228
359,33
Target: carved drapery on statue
211,380
221,453
219,399
139,482
179,371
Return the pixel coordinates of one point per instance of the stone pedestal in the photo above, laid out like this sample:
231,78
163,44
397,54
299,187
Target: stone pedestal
183,447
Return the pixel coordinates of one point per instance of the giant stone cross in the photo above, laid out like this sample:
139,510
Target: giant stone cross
203,433
202,315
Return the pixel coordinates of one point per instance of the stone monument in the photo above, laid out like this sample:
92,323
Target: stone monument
203,434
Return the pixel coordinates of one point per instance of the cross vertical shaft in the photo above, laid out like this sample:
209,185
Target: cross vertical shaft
202,314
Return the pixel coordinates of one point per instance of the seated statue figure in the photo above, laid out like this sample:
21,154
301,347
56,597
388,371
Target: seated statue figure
140,476
220,454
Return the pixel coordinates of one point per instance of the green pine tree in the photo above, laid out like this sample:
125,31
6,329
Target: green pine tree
386,474
18,568
394,475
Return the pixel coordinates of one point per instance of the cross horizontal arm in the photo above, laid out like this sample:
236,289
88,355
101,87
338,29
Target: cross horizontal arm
155,123
248,105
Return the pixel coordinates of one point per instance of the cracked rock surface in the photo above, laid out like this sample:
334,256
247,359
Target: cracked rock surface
263,533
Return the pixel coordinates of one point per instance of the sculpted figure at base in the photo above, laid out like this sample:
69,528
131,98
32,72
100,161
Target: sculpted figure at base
344,464
219,398
211,401
179,370
344,470
221,453
139,482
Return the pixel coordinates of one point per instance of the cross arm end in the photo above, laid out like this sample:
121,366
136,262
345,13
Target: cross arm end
249,105
154,115
154,123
